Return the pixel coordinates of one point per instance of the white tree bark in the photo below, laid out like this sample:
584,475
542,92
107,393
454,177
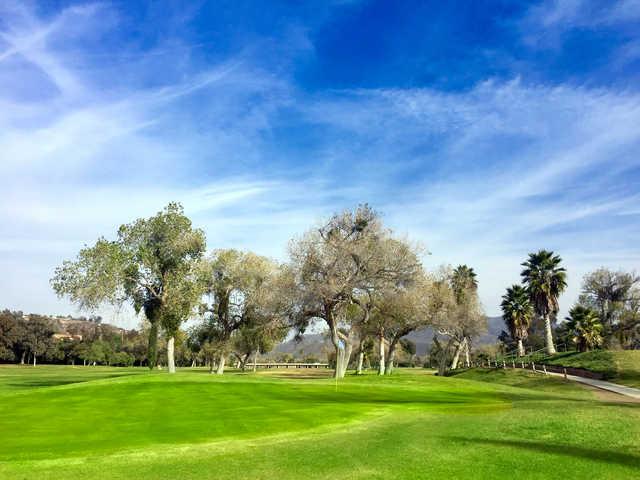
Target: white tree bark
360,362
381,353
343,355
467,359
389,364
343,349
456,356
551,348
221,361
170,355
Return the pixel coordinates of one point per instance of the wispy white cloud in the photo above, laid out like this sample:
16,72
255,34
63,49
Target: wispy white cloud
584,13
482,176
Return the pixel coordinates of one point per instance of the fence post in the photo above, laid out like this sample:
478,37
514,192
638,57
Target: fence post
544,367
564,370
533,366
522,365
514,364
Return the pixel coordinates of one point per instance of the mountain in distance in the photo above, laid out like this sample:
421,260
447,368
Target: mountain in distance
423,338
318,345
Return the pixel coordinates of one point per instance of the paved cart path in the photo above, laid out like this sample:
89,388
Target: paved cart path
611,387
630,392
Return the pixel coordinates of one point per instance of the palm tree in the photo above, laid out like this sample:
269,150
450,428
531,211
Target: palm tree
463,279
586,328
517,313
464,285
546,280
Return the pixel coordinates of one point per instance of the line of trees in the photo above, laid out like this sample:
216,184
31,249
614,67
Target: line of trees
351,273
32,339
607,313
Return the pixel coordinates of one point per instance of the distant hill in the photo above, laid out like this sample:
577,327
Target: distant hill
423,338
312,345
74,327
317,344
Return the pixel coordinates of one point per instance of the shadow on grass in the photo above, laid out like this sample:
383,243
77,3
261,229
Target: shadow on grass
600,455
55,382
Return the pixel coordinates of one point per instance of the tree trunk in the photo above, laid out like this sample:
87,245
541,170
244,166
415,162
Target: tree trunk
551,349
343,354
170,355
244,360
442,362
391,354
342,347
255,361
346,356
456,356
153,345
360,362
521,352
22,357
467,360
220,369
34,359
381,352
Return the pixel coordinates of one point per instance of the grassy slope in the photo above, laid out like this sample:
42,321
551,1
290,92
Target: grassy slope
411,425
618,366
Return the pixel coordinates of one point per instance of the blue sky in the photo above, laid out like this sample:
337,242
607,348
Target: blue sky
483,130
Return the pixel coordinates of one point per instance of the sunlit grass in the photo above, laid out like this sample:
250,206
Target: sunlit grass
298,424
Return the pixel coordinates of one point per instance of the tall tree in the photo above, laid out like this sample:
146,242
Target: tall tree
406,308
10,334
244,294
332,264
517,313
584,324
38,332
545,280
609,292
147,266
463,282
468,318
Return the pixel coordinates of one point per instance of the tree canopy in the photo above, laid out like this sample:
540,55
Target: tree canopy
149,265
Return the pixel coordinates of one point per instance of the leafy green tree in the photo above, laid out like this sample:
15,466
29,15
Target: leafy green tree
97,353
408,307
9,335
628,328
247,298
37,336
607,292
545,280
585,326
122,359
517,313
150,266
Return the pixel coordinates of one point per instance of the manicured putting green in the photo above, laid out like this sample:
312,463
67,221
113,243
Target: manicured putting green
59,422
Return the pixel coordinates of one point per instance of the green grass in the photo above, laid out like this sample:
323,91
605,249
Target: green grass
617,366
87,423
